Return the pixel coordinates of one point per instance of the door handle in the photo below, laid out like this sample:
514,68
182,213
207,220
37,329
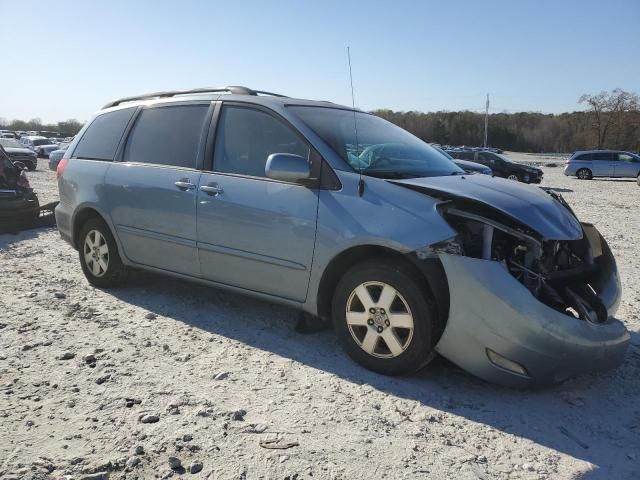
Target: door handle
184,184
213,189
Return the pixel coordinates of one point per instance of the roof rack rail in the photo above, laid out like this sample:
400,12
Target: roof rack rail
233,89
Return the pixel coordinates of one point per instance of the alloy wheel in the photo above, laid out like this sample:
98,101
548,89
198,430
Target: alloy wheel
513,177
96,253
379,319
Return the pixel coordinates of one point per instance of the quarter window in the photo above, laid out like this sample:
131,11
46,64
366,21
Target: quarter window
102,137
246,137
625,157
167,136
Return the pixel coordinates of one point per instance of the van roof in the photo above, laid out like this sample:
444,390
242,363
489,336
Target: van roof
213,93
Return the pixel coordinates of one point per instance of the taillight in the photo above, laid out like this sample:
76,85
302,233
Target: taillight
61,166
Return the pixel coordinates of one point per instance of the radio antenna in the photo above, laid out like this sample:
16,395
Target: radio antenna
355,127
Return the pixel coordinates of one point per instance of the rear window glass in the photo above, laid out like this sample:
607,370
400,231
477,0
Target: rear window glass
167,136
101,139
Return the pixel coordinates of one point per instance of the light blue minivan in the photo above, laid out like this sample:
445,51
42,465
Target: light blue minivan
603,163
349,218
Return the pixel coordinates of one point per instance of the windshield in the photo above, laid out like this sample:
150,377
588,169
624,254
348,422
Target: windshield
44,141
383,149
443,152
10,143
508,160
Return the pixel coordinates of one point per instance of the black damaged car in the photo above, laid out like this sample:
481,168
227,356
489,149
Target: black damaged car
19,205
501,165
19,153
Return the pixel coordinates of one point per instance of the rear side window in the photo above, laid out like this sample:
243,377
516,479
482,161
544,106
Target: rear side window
167,136
246,137
605,156
101,139
584,156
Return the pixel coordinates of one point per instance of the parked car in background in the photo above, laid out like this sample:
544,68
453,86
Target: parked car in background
468,167
603,163
501,165
19,206
7,135
19,153
407,256
56,156
41,145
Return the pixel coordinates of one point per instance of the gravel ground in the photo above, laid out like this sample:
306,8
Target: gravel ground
165,378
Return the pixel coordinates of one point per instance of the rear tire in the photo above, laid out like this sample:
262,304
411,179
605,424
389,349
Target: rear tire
99,257
513,176
584,174
385,317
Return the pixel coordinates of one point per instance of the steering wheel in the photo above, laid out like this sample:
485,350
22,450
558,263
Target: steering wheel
380,161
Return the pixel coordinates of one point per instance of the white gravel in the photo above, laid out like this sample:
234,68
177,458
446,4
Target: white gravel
129,382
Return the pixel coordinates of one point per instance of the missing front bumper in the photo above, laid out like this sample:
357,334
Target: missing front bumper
491,310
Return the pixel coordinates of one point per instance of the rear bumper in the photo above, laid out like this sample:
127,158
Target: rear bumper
64,221
491,310
53,162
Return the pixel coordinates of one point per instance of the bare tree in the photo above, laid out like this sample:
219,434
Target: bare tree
607,110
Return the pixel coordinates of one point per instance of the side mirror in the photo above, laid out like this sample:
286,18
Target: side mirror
287,167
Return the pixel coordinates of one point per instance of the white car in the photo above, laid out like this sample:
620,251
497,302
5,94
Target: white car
41,145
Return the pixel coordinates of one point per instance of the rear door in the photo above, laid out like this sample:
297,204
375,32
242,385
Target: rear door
604,164
152,190
254,232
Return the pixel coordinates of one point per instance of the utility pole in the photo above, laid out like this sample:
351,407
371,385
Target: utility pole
486,121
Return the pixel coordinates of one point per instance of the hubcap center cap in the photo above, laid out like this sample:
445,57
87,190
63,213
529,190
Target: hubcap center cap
379,318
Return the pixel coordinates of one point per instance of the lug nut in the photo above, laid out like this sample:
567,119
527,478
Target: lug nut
372,310
387,322
382,310
380,329
370,321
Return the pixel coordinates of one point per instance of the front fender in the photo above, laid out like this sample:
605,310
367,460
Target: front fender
386,215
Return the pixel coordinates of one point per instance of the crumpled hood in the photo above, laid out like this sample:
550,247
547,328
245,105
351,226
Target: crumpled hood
527,204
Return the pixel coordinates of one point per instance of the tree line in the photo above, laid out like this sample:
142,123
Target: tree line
67,128
611,120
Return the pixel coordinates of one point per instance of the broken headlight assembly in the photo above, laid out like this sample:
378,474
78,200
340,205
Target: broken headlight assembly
562,274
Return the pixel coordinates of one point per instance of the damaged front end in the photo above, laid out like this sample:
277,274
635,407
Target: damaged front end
566,275
527,306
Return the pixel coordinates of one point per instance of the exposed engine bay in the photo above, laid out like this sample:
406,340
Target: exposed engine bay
563,274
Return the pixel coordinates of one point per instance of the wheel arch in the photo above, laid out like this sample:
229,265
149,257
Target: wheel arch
430,271
85,213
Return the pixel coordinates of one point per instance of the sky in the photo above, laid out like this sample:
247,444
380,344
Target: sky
65,59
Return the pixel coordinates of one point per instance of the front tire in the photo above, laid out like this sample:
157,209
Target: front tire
584,174
514,177
385,317
99,257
